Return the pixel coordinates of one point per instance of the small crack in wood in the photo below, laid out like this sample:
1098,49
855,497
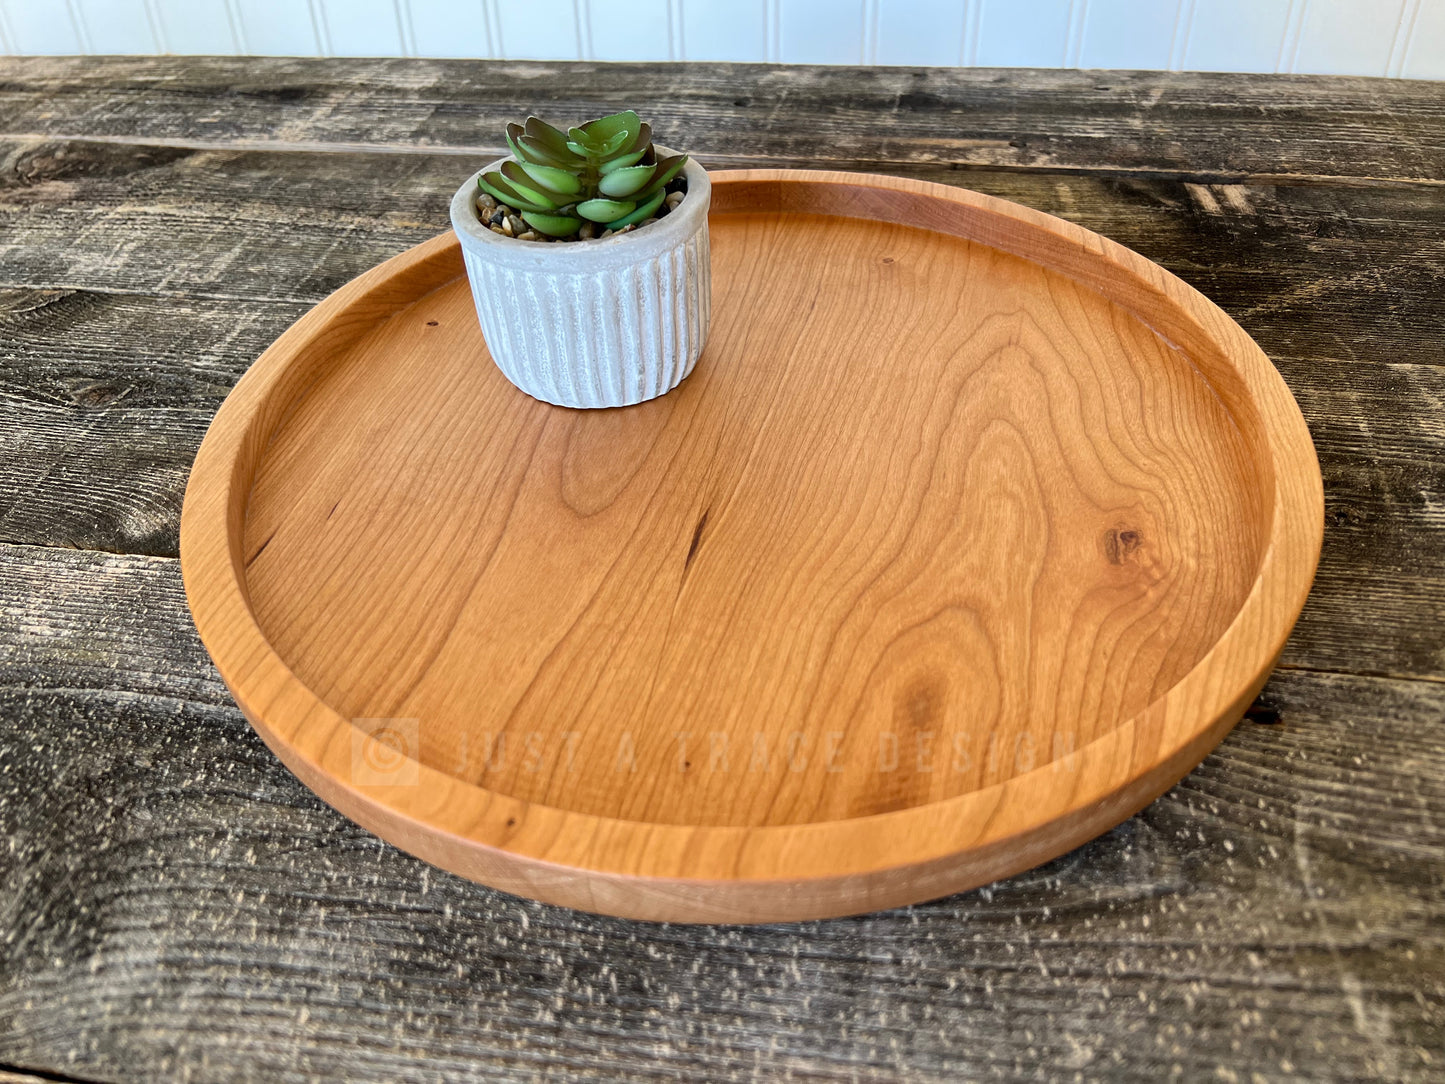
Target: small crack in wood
696,542
252,559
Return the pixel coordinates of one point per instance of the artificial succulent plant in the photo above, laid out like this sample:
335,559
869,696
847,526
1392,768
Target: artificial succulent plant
605,171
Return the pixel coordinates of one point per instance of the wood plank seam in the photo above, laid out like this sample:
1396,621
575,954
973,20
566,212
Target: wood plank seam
718,160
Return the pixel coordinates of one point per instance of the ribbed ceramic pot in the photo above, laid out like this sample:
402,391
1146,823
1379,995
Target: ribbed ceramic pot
608,322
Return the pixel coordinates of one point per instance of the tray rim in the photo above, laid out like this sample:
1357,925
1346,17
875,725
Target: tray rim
674,872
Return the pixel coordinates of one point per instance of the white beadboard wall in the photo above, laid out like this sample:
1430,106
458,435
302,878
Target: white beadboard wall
1401,38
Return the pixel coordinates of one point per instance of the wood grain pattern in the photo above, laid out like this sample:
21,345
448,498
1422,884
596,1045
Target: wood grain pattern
218,226
1277,912
1023,551
1212,126
108,390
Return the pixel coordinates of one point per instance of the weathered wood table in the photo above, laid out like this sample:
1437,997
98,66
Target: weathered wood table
175,905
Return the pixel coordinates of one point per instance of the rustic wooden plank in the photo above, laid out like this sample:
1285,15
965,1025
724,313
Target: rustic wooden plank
1308,269
104,398
1278,913
1378,603
210,224
1336,272
1212,125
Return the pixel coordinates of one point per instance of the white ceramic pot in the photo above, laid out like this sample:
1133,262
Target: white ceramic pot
608,322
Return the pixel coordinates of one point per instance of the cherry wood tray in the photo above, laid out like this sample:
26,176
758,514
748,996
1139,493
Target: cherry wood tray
971,533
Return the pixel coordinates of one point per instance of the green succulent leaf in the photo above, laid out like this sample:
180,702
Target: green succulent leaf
620,162
617,143
496,184
556,180
514,133
529,189
605,210
532,151
583,142
667,169
605,129
642,214
548,138
605,171
643,140
552,225
625,182
525,149
523,155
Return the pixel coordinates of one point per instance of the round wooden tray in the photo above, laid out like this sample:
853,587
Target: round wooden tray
971,533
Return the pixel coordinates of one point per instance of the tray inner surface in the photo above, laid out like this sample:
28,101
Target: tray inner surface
925,517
